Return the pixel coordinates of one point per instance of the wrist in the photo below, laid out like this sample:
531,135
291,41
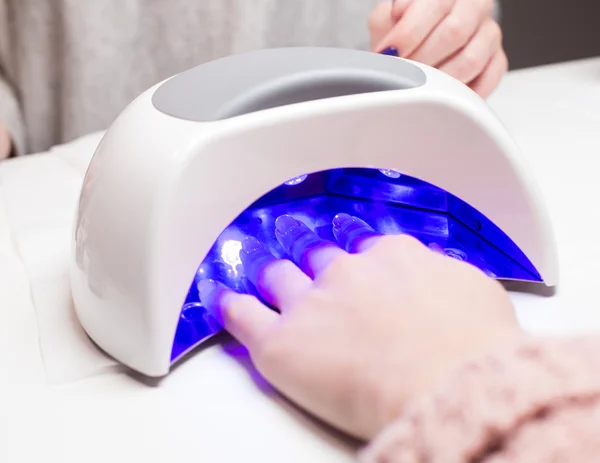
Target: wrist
386,395
486,399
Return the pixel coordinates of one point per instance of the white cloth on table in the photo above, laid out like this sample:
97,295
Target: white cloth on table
38,200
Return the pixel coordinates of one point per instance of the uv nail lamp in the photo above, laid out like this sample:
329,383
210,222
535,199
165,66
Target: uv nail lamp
217,153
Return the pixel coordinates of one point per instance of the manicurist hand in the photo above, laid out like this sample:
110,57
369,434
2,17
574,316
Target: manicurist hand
459,37
365,324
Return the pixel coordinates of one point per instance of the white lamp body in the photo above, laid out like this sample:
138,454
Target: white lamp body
160,189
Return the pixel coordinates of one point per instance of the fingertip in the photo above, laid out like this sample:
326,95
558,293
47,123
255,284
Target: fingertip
391,43
437,248
251,245
353,234
390,51
242,315
211,293
288,230
255,258
384,47
246,318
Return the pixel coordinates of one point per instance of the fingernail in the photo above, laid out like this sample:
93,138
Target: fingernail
209,298
390,51
251,245
192,312
254,256
340,219
284,222
205,289
436,248
351,232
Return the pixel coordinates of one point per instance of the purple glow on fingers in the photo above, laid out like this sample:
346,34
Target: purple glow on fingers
437,248
289,230
352,233
269,276
310,252
317,258
390,204
255,258
211,296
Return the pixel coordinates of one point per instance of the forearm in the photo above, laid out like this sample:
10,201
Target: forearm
565,433
533,401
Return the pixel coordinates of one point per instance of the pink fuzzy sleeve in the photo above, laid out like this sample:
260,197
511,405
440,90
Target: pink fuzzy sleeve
538,401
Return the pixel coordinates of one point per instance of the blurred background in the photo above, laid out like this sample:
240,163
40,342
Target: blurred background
546,31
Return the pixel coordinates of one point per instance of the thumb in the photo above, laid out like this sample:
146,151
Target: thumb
243,316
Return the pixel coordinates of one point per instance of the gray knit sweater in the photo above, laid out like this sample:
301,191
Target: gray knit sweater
67,67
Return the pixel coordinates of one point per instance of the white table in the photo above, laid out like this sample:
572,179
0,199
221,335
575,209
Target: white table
209,409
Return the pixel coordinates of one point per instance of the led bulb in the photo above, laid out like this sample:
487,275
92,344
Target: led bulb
296,180
456,254
390,173
230,252
193,312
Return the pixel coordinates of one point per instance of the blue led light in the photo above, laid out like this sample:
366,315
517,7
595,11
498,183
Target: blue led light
390,173
456,254
389,203
296,180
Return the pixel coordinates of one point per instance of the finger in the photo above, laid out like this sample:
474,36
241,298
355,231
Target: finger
352,233
278,281
311,253
487,82
380,23
244,316
415,25
453,33
399,7
470,62
437,248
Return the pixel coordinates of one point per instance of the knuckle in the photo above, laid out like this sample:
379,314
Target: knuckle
399,243
342,270
234,308
276,271
455,31
470,63
343,263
